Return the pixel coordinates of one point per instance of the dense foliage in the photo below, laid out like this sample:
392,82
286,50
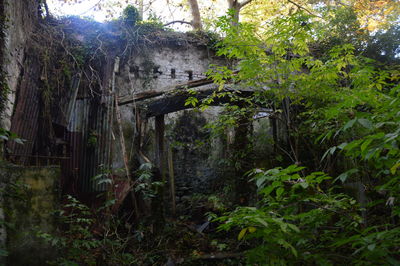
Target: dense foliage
335,90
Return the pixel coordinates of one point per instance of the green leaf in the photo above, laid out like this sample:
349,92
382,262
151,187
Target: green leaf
242,233
349,124
329,151
105,181
343,177
261,221
303,184
287,245
19,141
365,145
371,247
191,101
279,191
252,229
293,227
260,181
393,169
365,123
276,184
267,190
342,146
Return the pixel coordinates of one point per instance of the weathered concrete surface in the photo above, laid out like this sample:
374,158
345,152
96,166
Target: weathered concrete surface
160,72
21,18
30,195
163,67
195,155
157,68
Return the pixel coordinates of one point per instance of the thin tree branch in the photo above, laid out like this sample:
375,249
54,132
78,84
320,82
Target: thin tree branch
83,13
244,3
305,9
178,21
46,8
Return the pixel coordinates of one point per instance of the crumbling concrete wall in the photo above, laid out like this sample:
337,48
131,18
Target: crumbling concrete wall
164,67
20,19
196,155
198,159
161,68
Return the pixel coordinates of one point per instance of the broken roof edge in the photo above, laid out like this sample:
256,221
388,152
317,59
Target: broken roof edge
142,33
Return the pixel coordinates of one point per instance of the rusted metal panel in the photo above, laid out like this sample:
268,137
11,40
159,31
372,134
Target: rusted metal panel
64,101
72,99
89,138
26,113
73,136
81,118
103,128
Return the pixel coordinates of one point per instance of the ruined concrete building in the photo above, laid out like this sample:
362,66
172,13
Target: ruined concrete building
73,122
71,86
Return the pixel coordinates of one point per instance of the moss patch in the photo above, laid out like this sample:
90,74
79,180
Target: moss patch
30,199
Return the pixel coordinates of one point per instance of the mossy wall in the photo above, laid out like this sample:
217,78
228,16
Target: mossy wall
20,18
30,195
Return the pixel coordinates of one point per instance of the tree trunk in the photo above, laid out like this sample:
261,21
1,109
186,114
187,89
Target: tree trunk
236,6
157,203
141,9
196,19
241,156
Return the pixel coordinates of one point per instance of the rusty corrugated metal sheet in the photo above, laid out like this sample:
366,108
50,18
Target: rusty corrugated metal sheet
65,101
26,113
102,127
74,137
89,118
81,117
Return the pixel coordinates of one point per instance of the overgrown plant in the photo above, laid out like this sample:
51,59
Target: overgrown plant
303,219
144,182
89,237
340,113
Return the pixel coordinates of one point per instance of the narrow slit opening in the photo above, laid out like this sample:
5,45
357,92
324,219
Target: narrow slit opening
190,74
